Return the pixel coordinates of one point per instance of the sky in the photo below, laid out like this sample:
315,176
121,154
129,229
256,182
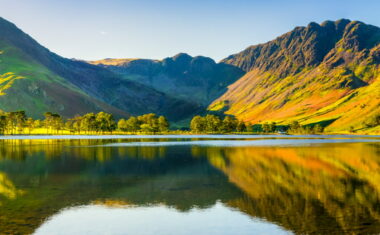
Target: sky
156,29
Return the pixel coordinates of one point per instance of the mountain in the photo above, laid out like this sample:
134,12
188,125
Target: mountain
37,80
198,79
324,73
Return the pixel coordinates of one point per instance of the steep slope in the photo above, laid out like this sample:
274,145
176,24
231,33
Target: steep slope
327,73
54,83
198,79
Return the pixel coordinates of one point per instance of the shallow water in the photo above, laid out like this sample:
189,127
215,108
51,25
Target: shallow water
190,185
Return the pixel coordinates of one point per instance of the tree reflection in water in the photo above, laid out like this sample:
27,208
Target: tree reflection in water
318,189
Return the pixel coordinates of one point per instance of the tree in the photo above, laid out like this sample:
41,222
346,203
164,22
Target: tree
149,119
16,121
104,122
213,123
295,127
75,124
229,124
3,123
21,120
250,128
163,124
37,124
122,125
241,127
132,124
56,122
30,124
88,122
272,127
69,125
146,128
266,128
197,124
317,129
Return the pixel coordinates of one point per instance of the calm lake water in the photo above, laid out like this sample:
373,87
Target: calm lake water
190,185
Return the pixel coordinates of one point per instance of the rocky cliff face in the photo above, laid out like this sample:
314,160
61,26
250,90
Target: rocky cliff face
326,73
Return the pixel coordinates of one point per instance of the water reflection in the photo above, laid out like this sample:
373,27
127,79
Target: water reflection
329,188
323,189
154,220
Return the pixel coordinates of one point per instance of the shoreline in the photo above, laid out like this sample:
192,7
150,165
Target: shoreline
185,136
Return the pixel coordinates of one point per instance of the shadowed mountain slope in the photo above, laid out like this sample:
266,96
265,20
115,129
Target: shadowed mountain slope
198,79
54,83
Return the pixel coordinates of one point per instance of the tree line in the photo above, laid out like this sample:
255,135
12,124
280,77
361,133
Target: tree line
94,123
19,123
214,124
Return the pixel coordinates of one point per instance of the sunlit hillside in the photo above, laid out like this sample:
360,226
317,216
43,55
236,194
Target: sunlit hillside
300,182
326,74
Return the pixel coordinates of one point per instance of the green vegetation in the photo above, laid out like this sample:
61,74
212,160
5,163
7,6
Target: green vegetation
296,128
213,124
374,121
312,74
90,123
148,123
18,122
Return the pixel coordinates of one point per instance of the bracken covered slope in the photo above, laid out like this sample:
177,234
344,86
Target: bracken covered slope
324,73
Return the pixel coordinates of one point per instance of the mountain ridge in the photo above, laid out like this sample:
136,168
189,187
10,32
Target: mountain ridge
98,88
314,74
324,73
197,78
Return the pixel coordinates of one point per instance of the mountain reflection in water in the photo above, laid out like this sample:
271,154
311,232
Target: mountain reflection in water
326,188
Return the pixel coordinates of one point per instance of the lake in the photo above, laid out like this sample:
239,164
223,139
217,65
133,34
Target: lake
202,184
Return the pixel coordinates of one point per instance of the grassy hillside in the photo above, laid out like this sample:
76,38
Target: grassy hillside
326,74
54,83
40,90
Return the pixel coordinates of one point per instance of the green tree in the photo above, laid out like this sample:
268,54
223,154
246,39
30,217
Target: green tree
88,122
229,124
104,122
76,123
295,127
16,121
3,123
266,128
241,127
273,127
163,124
250,128
20,120
132,124
122,125
30,124
197,124
149,119
147,128
317,129
212,123
56,122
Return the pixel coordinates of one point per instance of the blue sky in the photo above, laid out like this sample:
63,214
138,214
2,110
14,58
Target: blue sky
157,29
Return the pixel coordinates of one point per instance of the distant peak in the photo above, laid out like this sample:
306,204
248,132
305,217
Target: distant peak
182,56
